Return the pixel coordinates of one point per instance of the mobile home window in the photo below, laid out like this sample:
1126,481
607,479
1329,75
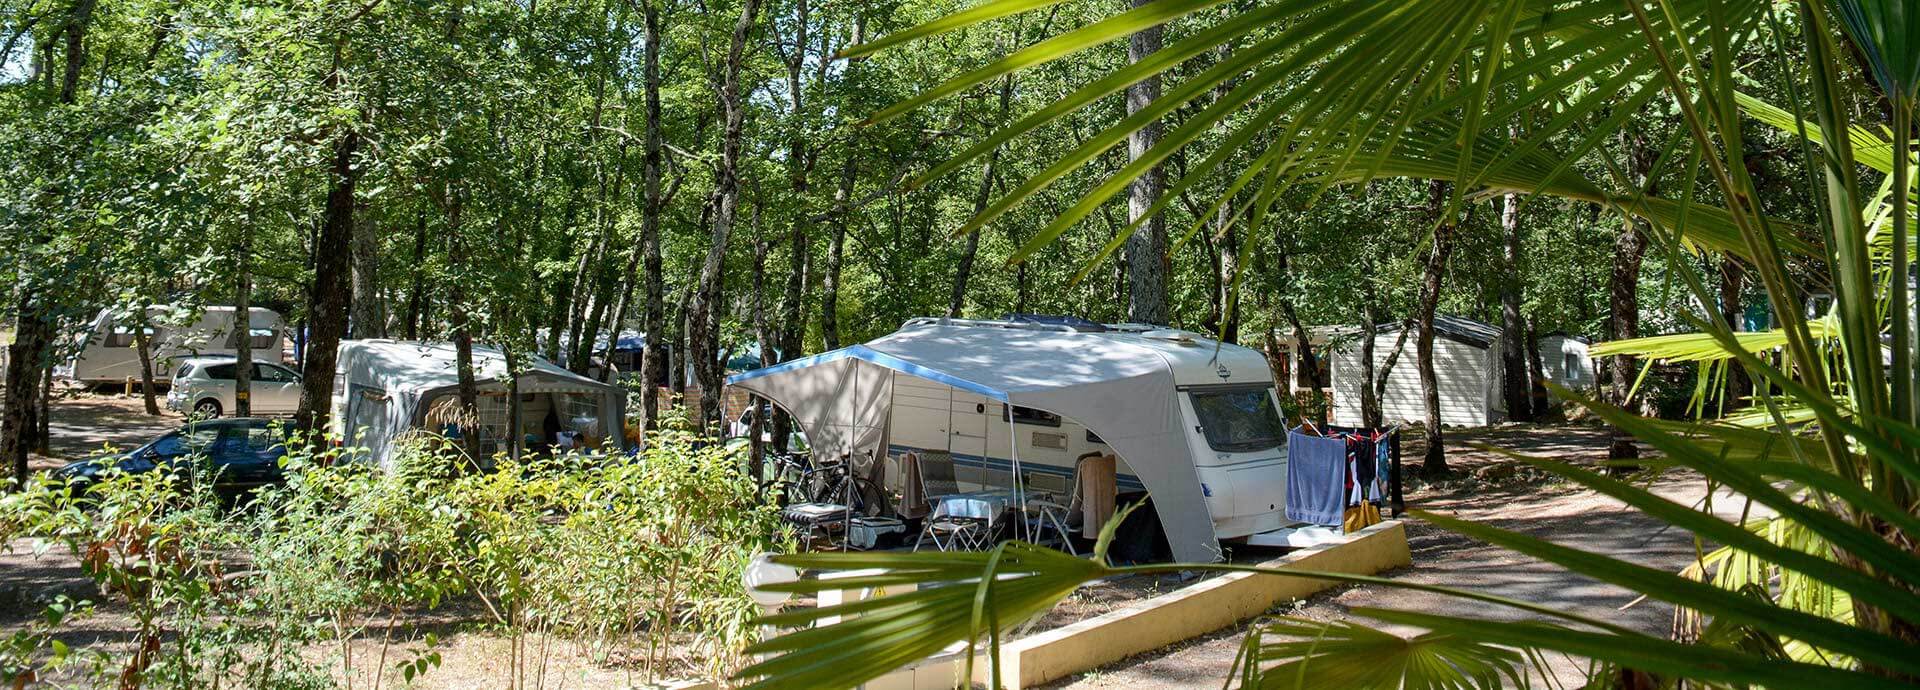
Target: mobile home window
1028,415
123,337
1239,420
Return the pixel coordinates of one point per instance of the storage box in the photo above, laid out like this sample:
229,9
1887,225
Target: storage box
873,532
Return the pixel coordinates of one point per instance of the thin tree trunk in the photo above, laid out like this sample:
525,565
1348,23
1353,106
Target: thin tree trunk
703,324
956,304
1146,250
331,294
369,318
461,315
1623,290
1385,373
416,294
43,414
243,325
1435,461
836,250
1370,414
653,321
143,344
1229,261
1537,392
1514,381
1733,307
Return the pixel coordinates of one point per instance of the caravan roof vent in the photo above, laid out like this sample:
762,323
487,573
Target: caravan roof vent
1074,322
1181,337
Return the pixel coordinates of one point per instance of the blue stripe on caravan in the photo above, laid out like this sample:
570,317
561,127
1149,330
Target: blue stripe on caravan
862,352
1124,481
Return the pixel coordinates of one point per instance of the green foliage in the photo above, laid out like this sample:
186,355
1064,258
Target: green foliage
631,556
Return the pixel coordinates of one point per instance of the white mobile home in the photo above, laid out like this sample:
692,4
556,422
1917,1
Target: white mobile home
385,388
108,353
1193,423
1466,356
1564,360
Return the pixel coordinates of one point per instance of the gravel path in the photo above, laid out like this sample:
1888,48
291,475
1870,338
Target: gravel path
1514,500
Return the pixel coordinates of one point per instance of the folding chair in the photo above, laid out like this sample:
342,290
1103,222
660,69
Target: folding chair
1042,515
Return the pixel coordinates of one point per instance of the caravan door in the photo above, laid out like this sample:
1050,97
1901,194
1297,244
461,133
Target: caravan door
968,436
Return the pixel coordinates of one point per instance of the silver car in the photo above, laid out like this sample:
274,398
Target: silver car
203,386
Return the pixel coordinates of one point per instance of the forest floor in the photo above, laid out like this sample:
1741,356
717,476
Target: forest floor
1485,486
1492,489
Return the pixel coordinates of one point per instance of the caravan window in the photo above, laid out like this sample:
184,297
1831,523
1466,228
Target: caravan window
123,336
1239,420
1028,415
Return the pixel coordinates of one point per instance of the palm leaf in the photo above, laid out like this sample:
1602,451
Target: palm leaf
1344,654
1701,347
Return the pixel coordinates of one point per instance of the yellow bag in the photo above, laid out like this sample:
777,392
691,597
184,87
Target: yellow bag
1360,517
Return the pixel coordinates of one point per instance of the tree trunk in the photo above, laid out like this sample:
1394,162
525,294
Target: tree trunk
328,301
28,355
1514,382
653,321
703,323
1733,308
243,325
369,319
461,315
1146,250
1537,391
956,305
836,250
1370,414
416,294
143,344
1435,461
1623,290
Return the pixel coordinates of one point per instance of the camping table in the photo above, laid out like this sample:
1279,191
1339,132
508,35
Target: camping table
978,505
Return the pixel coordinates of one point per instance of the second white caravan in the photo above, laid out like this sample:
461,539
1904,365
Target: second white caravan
109,355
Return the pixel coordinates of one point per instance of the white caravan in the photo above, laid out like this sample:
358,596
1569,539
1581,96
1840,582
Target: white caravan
1194,422
108,355
383,389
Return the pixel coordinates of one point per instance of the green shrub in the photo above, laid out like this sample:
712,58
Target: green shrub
631,557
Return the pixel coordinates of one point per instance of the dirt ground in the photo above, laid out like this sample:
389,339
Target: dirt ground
1486,487
84,422
1495,491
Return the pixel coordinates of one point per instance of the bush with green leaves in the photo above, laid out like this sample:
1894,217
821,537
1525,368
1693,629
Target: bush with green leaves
638,559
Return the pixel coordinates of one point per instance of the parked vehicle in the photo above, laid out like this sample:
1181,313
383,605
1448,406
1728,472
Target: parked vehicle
205,387
241,455
1192,421
108,355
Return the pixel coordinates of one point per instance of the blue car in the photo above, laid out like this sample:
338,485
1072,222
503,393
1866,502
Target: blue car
242,454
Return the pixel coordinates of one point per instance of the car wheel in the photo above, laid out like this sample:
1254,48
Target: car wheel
207,409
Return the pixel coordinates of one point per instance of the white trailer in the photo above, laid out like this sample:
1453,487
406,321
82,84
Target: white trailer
108,355
1194,422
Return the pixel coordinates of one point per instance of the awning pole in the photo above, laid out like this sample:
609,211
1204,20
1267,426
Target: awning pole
1019,487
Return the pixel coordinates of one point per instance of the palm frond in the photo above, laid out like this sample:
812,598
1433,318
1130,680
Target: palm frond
1311,654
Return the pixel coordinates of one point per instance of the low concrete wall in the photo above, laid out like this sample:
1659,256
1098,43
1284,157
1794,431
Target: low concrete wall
1192,611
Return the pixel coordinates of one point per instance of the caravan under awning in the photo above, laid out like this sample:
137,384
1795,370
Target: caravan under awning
1123,392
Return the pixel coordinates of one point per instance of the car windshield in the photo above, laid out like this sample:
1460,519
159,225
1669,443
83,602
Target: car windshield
181,443
1239,420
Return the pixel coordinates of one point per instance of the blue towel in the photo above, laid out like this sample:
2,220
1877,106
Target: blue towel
1316,478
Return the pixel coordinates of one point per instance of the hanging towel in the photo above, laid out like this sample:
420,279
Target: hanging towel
1316,478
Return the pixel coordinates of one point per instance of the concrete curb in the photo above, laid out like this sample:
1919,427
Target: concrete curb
1190,612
